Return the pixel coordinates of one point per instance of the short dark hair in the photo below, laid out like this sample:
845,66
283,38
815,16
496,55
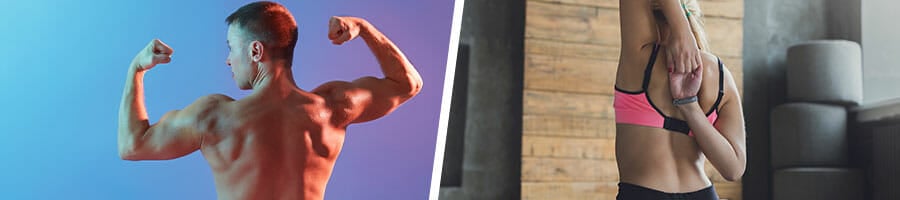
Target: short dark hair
270,23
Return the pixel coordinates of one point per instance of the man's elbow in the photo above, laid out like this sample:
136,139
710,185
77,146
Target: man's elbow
412,87
127,151
415,87
127,155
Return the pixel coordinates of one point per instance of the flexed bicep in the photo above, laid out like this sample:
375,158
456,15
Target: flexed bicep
364,99
369,98
384,96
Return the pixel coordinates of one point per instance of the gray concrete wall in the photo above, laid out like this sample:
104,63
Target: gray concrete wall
880,45
844,18
492,151
770,27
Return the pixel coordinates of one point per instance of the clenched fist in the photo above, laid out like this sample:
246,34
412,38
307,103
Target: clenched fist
154,53
343,29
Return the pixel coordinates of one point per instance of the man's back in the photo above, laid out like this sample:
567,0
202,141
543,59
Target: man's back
271,147
280,142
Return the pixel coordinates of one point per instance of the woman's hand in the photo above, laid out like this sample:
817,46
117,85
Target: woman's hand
683,54
685,85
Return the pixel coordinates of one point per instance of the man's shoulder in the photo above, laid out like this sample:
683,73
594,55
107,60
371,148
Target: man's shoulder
330,86
211,101
216,98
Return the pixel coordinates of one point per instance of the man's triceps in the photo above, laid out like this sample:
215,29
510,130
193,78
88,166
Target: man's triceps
179,133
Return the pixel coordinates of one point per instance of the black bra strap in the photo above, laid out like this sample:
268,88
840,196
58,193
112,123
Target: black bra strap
676,125
721,76
649,69
721,88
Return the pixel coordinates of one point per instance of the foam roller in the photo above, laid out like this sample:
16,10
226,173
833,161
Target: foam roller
808,134
828,71
818,183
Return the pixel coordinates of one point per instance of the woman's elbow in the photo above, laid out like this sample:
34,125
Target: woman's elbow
734,175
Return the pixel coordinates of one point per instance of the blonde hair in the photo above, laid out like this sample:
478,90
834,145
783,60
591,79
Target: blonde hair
695,19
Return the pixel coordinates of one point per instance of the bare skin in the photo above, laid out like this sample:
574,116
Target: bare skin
683,52
280,142
660,159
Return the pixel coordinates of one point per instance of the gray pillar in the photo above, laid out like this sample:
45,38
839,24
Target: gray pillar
492,147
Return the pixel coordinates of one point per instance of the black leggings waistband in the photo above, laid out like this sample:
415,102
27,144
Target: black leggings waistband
629,191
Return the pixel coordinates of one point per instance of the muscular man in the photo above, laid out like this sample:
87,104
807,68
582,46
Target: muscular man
279,142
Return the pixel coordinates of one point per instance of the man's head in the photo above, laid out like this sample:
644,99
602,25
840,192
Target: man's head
259,33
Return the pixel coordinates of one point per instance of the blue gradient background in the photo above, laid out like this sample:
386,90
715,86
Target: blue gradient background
63,67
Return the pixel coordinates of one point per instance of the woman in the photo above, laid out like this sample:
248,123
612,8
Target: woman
673,110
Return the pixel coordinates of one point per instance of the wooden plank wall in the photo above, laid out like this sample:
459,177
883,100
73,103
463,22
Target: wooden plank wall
571,52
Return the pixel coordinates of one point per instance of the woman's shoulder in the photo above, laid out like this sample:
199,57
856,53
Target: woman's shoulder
709,59
711,63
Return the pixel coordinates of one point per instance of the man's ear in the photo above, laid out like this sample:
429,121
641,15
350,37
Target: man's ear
256,51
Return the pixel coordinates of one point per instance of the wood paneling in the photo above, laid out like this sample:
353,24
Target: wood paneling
569,190
555,73
568,169
568,126
563,147
572,23
567,104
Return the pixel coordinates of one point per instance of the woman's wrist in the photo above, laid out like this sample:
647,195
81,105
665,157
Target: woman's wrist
685,100
689,107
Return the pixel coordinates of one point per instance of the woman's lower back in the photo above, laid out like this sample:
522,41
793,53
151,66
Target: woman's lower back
659,159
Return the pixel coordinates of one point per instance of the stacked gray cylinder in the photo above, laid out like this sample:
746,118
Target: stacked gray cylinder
809,134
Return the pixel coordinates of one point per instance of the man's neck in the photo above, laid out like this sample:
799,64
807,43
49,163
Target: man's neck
277,80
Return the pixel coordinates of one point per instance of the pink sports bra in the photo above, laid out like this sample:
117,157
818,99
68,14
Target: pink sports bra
636,108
